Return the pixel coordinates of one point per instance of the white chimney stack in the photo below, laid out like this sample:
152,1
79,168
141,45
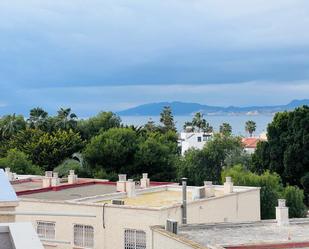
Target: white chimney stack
72,178
121,183
9,174
209,189
130,188
55,181
46,182
282,213
228,185
145,181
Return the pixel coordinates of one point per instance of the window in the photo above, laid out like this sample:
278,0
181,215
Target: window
134,239
199,139
45,230
83,236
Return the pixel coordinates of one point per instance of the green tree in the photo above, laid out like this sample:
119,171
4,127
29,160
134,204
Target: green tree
295,201
19,163
250,127
112,150
71,164
305,184
47,150
287,149
226,129
38,118
269,183
206,164
101,122
150,126
66,119
200,123
167,119
156,155
11,124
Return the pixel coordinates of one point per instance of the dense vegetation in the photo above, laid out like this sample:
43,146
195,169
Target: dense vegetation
103,147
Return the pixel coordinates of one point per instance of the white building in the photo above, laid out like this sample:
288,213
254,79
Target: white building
195,140
14,235
274,234
89,213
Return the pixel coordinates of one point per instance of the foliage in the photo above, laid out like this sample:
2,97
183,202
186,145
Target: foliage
71,164
200,124
19,163
112,150
206,164
11,125
295,201
47,149
250,127
156,155
269,183
101,122
305,184
287,149
167,119
38,118
271,190
226,129
66,119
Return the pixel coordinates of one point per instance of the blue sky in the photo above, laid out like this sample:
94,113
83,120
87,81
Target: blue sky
110,55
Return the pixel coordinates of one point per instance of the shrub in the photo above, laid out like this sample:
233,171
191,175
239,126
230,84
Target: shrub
19,163
295,201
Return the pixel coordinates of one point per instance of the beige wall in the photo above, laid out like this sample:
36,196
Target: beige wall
241,206
164,240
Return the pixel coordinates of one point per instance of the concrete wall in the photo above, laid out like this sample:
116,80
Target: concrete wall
165,240
240,206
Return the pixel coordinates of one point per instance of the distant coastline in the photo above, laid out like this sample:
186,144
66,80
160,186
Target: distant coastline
184,109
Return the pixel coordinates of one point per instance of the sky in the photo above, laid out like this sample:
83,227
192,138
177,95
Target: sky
115,54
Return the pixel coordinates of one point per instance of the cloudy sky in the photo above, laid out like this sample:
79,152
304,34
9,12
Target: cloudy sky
113,54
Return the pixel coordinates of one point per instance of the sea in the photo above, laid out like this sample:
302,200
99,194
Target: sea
236,121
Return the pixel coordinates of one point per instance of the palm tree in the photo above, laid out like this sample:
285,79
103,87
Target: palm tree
250,127
226,129
37,118
200,123
66,119
11,124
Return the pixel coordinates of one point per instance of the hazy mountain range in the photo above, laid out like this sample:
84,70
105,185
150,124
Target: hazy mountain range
182,108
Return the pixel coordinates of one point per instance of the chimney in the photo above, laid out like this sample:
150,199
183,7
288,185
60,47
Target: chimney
228,185
282,213
55,181
9,174
184,201
121,184
209,189
145,181
72,178
130,188
46,182
171,226
198,193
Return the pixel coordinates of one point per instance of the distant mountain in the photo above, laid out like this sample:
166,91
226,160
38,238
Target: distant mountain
182,108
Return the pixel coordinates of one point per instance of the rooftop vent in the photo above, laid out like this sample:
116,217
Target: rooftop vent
118,202
171,226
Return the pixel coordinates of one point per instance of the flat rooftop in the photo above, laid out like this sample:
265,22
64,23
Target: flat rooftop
241,234
73,193
32,188
153,199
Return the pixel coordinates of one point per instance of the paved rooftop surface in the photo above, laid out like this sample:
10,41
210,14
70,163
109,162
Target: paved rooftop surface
5,241
154,199
246,233
27,185
74,193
